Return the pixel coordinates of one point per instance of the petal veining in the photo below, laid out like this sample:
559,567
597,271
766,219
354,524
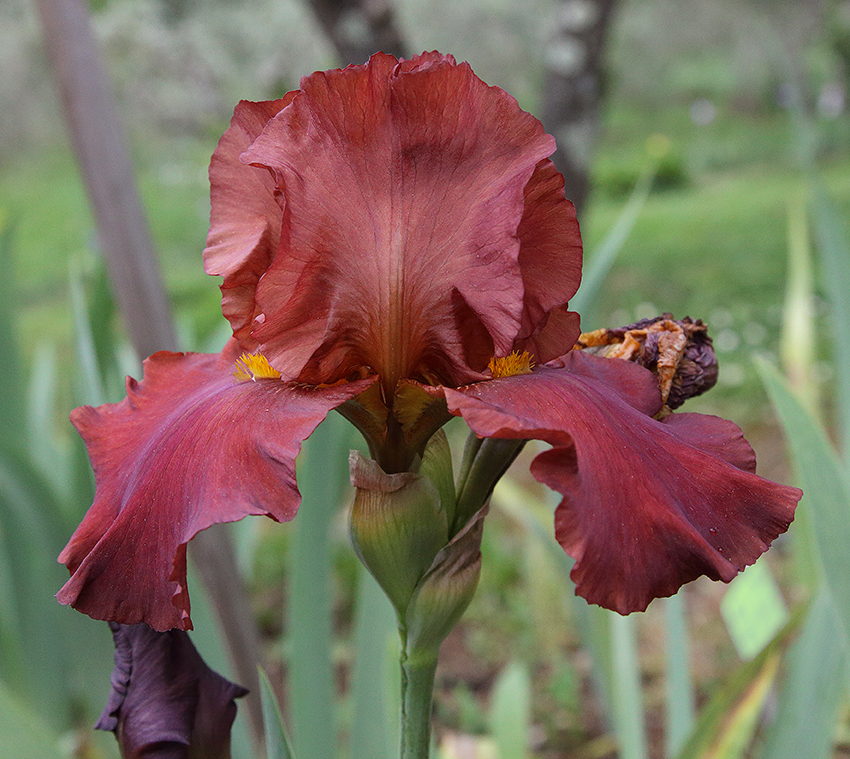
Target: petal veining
647,506
404,189
190,446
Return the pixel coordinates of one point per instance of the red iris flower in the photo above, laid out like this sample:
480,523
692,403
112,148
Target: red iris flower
395,243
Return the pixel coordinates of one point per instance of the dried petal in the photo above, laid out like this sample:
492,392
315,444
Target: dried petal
678,351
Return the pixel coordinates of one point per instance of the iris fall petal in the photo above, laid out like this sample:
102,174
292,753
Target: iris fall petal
647,506
189,447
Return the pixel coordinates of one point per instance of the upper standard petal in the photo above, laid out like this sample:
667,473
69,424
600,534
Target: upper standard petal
647,506
404,187
246,210
550,259
189,447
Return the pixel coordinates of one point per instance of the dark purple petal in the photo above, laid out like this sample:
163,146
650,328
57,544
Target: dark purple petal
648,506
189,447
165,701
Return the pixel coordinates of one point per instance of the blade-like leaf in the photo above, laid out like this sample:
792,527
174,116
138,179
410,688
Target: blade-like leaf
322,473
813,689
798,327
374,730
678,692
510,711
798,351
741,721
627,696
51,459
825,484
833,239
92,388
277,741
100,315
728,717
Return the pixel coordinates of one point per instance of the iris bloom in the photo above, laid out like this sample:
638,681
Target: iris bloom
166,703
395,244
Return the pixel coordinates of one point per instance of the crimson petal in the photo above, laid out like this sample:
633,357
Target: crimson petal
245,216
188,447
404,187
648,506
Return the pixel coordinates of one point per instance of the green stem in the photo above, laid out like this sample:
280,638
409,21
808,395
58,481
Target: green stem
417,686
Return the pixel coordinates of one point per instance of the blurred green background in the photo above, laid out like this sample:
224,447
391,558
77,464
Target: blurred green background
720,85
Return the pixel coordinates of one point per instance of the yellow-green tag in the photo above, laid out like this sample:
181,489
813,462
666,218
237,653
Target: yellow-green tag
753,610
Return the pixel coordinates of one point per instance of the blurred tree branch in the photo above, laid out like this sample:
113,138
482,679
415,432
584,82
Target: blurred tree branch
358,28
98,140
838,35
574,87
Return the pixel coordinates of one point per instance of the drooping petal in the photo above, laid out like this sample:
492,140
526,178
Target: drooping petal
189,447
648,506
404,187
165,700
245,216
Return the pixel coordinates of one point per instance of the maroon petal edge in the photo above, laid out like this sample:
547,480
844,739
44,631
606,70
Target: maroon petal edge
188,447
647,506
246,211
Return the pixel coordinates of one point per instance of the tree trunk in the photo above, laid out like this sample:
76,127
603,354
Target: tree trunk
574,86
123,237
358,28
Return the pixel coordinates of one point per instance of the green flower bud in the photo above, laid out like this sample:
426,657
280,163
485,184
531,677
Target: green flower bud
437,466
397,524
445,591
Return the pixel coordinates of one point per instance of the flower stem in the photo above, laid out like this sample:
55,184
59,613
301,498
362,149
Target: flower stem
417,686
